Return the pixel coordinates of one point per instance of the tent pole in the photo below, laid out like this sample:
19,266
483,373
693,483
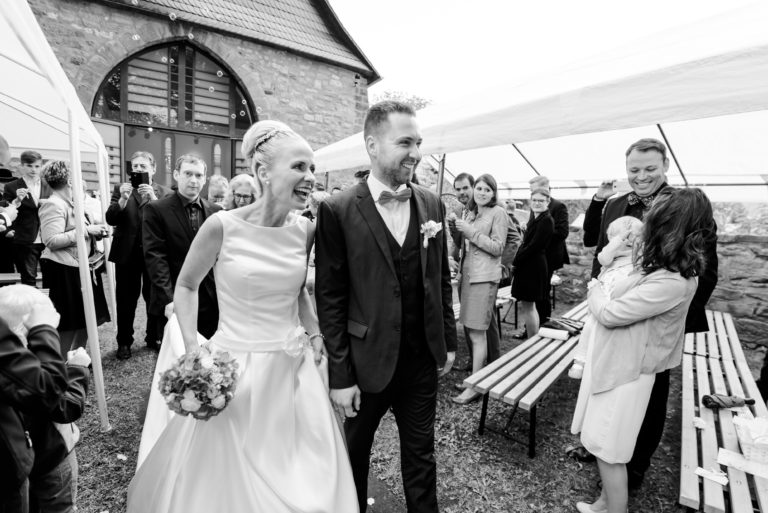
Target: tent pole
441,177
525,158
102,170
672,152
85,274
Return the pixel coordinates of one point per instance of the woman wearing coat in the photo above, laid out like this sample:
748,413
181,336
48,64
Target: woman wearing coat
531,280
484,233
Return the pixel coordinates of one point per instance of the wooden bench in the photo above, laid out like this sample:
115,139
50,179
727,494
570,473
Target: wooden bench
11,278
714,362
522,376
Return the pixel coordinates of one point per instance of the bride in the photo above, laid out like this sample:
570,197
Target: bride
276,447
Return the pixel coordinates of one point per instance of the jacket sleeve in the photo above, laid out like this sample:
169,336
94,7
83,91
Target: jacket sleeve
560,218
493,244
542,233
708,279
9,192
652,297
53,222
592,222
72,402
32,379
115,215
156,254
449,320
332,295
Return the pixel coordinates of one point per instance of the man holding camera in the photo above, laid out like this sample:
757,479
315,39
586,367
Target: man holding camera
131,279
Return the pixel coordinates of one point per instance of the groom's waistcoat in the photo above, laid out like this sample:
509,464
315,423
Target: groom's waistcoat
407,260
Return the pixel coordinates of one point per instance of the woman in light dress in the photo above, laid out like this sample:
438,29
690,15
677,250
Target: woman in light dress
639,332
276,447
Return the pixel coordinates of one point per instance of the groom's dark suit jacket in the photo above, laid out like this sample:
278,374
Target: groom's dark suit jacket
167,236
602,213
358,293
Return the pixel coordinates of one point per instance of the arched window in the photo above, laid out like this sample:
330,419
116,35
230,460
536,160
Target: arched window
175,99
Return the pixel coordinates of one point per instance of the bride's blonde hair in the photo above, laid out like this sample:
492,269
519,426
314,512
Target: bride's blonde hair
259,146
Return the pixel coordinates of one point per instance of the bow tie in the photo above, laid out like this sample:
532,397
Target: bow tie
647,201
387,196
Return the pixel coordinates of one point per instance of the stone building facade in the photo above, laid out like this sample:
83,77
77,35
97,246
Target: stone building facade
292,59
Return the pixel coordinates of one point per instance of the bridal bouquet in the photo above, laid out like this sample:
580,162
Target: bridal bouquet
200,384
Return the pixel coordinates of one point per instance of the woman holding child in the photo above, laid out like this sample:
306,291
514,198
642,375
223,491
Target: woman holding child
639,332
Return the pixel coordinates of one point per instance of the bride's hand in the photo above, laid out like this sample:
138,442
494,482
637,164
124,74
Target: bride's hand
318,349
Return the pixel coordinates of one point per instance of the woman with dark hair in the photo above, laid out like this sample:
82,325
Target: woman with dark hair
484,231
640,332
531,279
59,262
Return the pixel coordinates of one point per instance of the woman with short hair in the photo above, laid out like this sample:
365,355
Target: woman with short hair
241,193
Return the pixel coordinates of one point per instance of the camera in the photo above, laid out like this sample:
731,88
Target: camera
138,179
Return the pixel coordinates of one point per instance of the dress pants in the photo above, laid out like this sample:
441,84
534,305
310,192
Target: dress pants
26,258
6,254
491,337
412,395
131,280
651,430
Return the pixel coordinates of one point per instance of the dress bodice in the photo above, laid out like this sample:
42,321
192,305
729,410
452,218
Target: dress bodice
259,273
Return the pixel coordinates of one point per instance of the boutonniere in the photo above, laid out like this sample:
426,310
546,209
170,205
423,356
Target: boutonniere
430,229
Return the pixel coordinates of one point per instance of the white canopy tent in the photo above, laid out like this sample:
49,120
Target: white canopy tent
40,110
705,84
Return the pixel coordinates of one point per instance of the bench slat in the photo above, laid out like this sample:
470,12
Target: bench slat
701,344
714,502
738,486
538,373
500,362
689,453
712,341
741,364
533,359
689,344
722,336
532,397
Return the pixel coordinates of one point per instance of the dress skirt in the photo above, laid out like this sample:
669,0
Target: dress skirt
63,284
477,303
610,421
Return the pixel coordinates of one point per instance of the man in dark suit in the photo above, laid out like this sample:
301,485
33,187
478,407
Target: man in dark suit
464,184
556,252
26,192
131,279
384,303
647,165
168,228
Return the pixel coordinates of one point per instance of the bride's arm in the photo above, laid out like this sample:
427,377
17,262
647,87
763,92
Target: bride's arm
307,315
201,256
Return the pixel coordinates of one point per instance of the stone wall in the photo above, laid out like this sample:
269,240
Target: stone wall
742,287
321,101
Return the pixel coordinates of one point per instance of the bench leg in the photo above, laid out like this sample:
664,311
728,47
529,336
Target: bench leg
498,319
483,414
532,432
515,314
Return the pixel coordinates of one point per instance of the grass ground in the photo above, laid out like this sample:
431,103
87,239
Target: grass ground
475,473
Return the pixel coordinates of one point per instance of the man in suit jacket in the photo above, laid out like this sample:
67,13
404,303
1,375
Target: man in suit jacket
131,279
168,228
556,252
464,184
647,165
384,300
26,192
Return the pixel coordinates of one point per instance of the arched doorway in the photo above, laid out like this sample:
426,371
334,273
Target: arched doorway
174,99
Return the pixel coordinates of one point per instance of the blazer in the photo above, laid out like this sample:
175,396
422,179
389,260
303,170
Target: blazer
640,330
488,234
27,223
166,238
600,214
557,252
127,222
358,292
57,219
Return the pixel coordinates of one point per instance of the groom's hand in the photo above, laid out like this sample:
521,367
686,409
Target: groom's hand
451,356
347,400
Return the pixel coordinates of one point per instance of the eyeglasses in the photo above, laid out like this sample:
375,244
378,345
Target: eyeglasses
539,201
243,197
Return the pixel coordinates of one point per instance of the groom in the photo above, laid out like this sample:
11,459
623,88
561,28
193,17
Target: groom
384,300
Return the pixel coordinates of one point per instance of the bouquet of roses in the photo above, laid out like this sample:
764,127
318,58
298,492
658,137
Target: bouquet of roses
200,384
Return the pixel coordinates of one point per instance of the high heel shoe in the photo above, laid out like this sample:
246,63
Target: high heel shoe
466,400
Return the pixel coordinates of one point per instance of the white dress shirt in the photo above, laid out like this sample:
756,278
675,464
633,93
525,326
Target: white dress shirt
34,190
396,214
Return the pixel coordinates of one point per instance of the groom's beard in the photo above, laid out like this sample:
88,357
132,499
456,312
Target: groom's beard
401,174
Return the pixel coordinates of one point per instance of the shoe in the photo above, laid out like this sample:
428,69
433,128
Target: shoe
466,400
576,371
459,386
583,507
520,335
154,346
123,352
579,453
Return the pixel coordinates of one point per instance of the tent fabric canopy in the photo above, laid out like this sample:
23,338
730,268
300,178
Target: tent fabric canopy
704,83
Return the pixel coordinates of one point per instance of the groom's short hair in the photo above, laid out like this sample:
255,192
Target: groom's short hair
378,114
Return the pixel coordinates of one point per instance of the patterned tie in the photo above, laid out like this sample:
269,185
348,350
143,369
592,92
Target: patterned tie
634,199
387,196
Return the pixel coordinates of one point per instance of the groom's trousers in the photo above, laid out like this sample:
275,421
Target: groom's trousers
412,396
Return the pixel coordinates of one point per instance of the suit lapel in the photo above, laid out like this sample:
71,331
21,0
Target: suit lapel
371,216
181,216
422,217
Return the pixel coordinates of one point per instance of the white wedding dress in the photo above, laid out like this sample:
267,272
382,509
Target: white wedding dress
276,448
